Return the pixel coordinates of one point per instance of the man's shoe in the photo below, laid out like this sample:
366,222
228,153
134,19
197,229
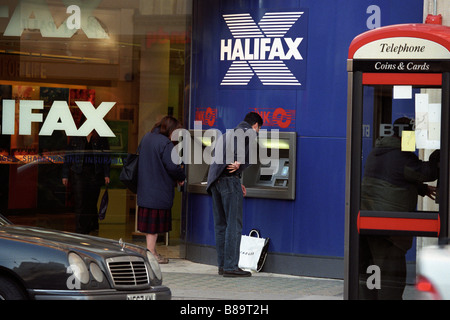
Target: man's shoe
237,273
220,272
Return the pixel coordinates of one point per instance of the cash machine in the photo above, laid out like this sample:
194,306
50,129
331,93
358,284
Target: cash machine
272,176
395,72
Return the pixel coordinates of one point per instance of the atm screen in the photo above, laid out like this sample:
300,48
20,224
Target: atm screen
278,178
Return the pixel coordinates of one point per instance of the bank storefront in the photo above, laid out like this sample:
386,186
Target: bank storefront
287,61
121,66
70,67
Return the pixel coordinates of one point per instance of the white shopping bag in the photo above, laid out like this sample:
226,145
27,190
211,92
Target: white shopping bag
253,252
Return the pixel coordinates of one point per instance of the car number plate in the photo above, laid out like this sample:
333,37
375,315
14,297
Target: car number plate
141,296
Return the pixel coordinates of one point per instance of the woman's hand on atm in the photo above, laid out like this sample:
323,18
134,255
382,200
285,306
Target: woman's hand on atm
234,166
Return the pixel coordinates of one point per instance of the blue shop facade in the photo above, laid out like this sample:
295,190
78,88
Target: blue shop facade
287,61
208,63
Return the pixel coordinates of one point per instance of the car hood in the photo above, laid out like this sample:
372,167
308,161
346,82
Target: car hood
68,241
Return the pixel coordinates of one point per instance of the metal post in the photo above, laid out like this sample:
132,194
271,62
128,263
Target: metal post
444,178
354,140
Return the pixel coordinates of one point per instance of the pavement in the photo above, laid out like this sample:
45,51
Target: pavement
194,281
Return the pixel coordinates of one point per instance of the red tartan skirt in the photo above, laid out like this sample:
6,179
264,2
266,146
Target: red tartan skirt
154,220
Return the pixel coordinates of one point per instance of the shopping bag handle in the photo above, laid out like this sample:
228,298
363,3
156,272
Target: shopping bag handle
253,230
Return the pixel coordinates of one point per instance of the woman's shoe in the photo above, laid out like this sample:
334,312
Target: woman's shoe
161,259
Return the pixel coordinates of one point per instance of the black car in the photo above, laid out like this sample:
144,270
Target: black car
37,263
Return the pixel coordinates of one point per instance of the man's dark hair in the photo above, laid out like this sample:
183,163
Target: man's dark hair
252,117
401,124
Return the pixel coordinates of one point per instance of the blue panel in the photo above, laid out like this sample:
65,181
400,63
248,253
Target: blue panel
200,226
320,207
273,218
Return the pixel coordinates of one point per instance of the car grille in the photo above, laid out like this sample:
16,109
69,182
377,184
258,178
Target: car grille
128,272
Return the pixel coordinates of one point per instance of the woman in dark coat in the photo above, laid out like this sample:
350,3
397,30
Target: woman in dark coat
157,178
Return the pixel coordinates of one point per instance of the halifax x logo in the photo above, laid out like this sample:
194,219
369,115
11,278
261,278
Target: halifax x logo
268,42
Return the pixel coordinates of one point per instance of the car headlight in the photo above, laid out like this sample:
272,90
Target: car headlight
78,268
96,272
154,265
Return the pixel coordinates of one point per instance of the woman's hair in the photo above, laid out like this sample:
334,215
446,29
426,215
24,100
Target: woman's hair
167,125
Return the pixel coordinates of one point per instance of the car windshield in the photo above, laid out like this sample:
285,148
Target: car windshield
4,221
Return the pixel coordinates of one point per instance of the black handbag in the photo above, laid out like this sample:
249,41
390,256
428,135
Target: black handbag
103,205
129,173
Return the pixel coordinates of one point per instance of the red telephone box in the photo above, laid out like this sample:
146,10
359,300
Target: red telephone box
398,116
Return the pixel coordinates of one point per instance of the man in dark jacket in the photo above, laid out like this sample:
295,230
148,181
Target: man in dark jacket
392,181
87,162
227,192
